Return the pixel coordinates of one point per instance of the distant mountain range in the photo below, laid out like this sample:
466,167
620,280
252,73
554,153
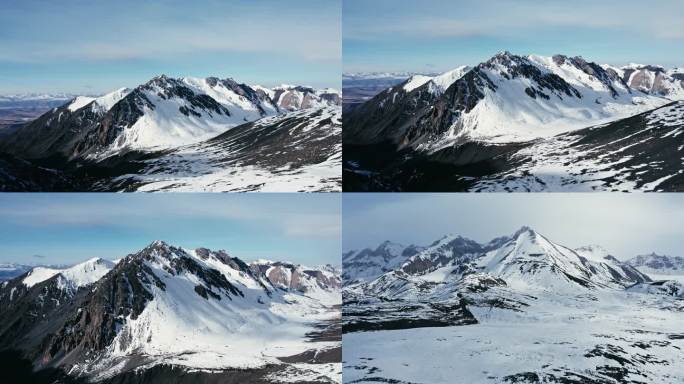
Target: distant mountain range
165,311
92,140
489,308
494,123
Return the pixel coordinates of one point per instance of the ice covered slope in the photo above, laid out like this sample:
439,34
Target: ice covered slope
195,309
508,98
297,151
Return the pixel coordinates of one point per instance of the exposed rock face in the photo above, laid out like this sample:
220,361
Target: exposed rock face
288,276
292,98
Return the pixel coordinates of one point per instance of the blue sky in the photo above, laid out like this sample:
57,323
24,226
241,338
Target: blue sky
624,224
68,228
98,46
437,35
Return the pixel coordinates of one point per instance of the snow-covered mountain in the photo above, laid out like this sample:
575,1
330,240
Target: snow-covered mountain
520,308
508,98
466,121
161,113
167,309
92,140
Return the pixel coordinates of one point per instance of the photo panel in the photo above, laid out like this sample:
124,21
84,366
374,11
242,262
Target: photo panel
512,288
172,288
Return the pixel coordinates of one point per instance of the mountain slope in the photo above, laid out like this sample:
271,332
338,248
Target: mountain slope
298,151
639,153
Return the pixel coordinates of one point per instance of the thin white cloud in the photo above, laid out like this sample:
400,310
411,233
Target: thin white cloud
319,220
438,19
148,31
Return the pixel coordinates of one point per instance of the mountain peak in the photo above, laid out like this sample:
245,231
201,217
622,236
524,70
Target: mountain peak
522,230
158,243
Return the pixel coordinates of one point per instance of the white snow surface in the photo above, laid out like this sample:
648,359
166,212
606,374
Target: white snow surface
79,275
201,167
555,164
80,102
106,102
415,81
555,332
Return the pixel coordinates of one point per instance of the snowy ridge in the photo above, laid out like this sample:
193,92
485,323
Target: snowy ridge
77,276
169,112
367,264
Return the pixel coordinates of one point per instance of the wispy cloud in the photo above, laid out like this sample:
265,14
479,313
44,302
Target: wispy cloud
402,35
302,219
125,37
468,18
59,46
72,227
